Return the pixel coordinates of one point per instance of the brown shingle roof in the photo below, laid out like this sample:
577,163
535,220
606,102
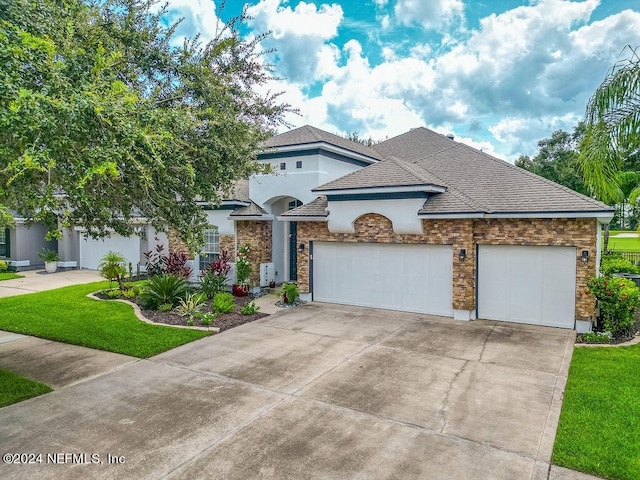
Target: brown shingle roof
315,208
387,173
252,210
475,181
308,134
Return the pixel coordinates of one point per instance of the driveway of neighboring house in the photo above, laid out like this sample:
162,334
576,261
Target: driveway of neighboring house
320,391
39,280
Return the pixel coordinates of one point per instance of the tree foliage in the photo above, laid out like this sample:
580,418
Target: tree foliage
613,134
557,159
103,117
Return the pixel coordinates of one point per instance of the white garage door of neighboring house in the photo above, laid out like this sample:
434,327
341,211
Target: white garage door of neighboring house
92,251
534,285
412,278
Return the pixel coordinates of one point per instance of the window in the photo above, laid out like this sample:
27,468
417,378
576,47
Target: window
299,164
4,242
211,248
283,166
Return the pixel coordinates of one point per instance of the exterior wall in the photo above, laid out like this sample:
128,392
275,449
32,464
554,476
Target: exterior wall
228,243
297,182
28,241
176,244
258,235
467,233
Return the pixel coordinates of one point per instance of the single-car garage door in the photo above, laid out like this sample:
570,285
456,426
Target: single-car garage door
535,285
412,278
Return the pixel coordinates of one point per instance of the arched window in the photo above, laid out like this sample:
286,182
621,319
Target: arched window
211,249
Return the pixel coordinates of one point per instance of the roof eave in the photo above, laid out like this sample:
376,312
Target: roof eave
427,188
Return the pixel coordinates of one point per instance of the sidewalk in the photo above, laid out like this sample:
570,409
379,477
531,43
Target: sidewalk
39,280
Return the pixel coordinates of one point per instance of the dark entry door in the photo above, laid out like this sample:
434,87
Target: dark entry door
293,244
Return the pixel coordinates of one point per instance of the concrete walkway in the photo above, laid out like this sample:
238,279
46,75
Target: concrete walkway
39,280
320,391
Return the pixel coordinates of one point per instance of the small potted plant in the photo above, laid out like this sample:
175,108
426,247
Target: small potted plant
50,259
243,271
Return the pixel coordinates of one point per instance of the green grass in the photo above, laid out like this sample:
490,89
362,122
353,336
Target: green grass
9,276
14,388
599,430
627,244
68,315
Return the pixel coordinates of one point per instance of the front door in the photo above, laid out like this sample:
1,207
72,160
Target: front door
293,251
293,244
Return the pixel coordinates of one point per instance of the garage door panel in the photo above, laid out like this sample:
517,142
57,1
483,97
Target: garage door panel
416,278
526,284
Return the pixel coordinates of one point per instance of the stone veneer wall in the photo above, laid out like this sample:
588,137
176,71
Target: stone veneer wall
176,244
467,233
228,244
258,235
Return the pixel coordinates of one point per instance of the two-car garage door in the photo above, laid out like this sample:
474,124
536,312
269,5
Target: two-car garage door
411,278
525,284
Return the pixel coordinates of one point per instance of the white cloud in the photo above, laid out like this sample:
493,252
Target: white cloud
301,36
199,17
431,14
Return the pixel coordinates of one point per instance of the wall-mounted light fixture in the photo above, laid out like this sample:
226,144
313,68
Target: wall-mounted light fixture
463,254
301,246
585,257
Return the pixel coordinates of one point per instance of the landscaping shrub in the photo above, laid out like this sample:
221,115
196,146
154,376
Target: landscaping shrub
3,266
116,293
243,267
223,303
175,263
289,293
130,293
615,263
618,299
206,319
250,309
163,289
111,267
214,278
191,304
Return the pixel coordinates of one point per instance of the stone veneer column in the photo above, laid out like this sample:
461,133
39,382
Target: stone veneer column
258,235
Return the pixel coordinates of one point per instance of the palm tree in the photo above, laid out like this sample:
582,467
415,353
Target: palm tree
613,129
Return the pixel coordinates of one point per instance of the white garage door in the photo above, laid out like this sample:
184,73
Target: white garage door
92,251
535,285
412,278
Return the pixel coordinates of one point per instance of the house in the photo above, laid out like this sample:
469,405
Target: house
417,223
422,223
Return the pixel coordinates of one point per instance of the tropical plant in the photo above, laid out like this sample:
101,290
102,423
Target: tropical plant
177,265
115,293
613,130
48,255
618,299
243,267
191,304
223,303
250,308
156,261
289,293
163,290
214,278
111,267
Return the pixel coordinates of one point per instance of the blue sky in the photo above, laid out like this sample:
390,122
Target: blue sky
499,75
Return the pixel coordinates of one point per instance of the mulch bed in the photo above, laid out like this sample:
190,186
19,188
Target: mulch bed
224,321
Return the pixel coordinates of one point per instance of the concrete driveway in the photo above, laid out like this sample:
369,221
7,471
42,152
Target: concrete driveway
321,391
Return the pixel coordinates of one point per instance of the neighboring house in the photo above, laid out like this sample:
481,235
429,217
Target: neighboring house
21,244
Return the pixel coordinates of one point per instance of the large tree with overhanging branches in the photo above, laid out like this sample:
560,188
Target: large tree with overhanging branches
103,117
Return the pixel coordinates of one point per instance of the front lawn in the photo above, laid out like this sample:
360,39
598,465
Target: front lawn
599,430
68,315
9,276
14,388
